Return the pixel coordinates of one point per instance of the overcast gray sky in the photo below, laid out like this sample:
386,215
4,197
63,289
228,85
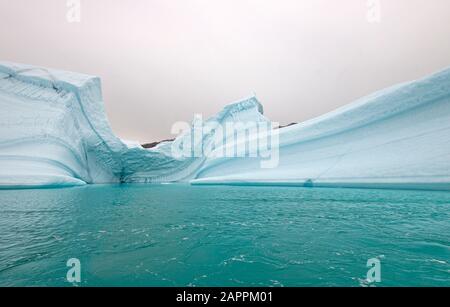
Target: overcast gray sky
161,61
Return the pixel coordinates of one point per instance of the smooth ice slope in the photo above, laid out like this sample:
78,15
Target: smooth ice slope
395,138
54,132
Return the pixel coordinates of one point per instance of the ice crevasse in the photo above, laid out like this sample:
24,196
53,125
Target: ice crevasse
54,132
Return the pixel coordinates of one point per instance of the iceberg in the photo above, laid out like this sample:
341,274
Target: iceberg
54,133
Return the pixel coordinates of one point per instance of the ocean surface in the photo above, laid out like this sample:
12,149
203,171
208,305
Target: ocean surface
180,235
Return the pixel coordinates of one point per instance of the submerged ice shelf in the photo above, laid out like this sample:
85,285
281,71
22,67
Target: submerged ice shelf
55,133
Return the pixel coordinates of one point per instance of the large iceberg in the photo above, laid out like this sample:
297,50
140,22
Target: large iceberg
54,132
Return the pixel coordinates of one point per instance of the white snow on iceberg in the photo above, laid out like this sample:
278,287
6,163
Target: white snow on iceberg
54,132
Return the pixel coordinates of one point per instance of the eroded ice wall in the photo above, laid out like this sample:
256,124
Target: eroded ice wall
54,129
54,132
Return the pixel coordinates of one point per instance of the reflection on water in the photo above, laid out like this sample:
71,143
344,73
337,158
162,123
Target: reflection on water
177,235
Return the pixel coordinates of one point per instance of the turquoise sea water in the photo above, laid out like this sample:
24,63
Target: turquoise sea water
179,235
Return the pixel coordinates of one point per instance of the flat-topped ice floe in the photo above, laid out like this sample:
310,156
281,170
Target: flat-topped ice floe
55,133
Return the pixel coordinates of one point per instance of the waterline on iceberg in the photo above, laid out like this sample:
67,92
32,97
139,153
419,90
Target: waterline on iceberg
56,133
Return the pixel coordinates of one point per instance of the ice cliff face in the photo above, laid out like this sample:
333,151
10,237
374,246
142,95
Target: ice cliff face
54,132
54,129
